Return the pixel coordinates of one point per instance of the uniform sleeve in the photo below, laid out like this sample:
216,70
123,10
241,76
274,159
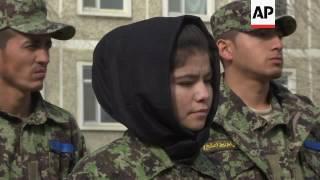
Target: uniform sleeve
315,132
87,169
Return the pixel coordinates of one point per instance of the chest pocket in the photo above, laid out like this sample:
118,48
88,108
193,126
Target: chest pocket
61,157
59,164
236,164
46,165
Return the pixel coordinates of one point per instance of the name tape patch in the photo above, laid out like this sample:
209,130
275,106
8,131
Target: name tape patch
219,145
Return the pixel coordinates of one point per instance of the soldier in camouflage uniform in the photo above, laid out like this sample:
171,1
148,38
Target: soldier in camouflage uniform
262,130
156,78
38,140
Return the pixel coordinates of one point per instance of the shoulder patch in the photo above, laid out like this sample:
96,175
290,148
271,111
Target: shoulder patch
219,145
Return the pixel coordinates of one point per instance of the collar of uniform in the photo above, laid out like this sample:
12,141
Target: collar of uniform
231,103
43,111
57,114
38,115
279,115
232,112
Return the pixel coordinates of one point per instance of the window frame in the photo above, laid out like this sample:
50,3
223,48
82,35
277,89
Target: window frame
205,18
126,12
290,7
112,126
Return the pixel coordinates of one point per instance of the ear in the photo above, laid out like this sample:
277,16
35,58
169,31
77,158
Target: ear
225,49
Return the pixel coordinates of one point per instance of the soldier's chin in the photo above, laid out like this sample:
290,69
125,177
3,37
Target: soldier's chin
37,87
276,75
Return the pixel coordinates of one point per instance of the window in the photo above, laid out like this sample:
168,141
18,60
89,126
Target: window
288,79
115,8
201,8
91,116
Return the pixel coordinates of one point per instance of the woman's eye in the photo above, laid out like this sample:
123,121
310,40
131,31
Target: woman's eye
185,83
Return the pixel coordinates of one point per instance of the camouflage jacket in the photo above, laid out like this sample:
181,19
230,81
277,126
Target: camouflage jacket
129,158
250,147
45,145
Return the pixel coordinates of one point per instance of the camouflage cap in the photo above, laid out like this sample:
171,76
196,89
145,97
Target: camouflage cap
30,17
236,16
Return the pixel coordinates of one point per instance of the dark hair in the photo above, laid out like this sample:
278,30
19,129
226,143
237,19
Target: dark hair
190,40
230,35
5,35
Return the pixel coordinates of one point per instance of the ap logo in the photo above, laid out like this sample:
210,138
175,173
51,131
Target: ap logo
263,14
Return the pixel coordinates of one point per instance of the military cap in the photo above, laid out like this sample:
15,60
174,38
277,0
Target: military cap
30,17
236,16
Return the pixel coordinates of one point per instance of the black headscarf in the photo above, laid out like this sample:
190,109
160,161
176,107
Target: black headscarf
131,80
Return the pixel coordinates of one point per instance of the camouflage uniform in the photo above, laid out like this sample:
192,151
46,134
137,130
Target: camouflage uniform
283,146
44,145
250,147
129,158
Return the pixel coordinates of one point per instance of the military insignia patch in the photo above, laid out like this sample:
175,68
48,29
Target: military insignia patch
60,147
219,145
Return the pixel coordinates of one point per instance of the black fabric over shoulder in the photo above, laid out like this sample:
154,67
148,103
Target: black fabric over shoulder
131,79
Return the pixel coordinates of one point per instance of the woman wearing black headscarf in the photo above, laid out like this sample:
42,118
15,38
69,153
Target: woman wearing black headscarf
159,77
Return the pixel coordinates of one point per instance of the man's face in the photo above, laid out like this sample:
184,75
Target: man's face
23,62
258,54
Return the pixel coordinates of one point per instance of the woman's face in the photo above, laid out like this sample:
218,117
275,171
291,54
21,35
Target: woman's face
192,91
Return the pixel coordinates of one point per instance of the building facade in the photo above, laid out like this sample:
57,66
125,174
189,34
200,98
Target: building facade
68,82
